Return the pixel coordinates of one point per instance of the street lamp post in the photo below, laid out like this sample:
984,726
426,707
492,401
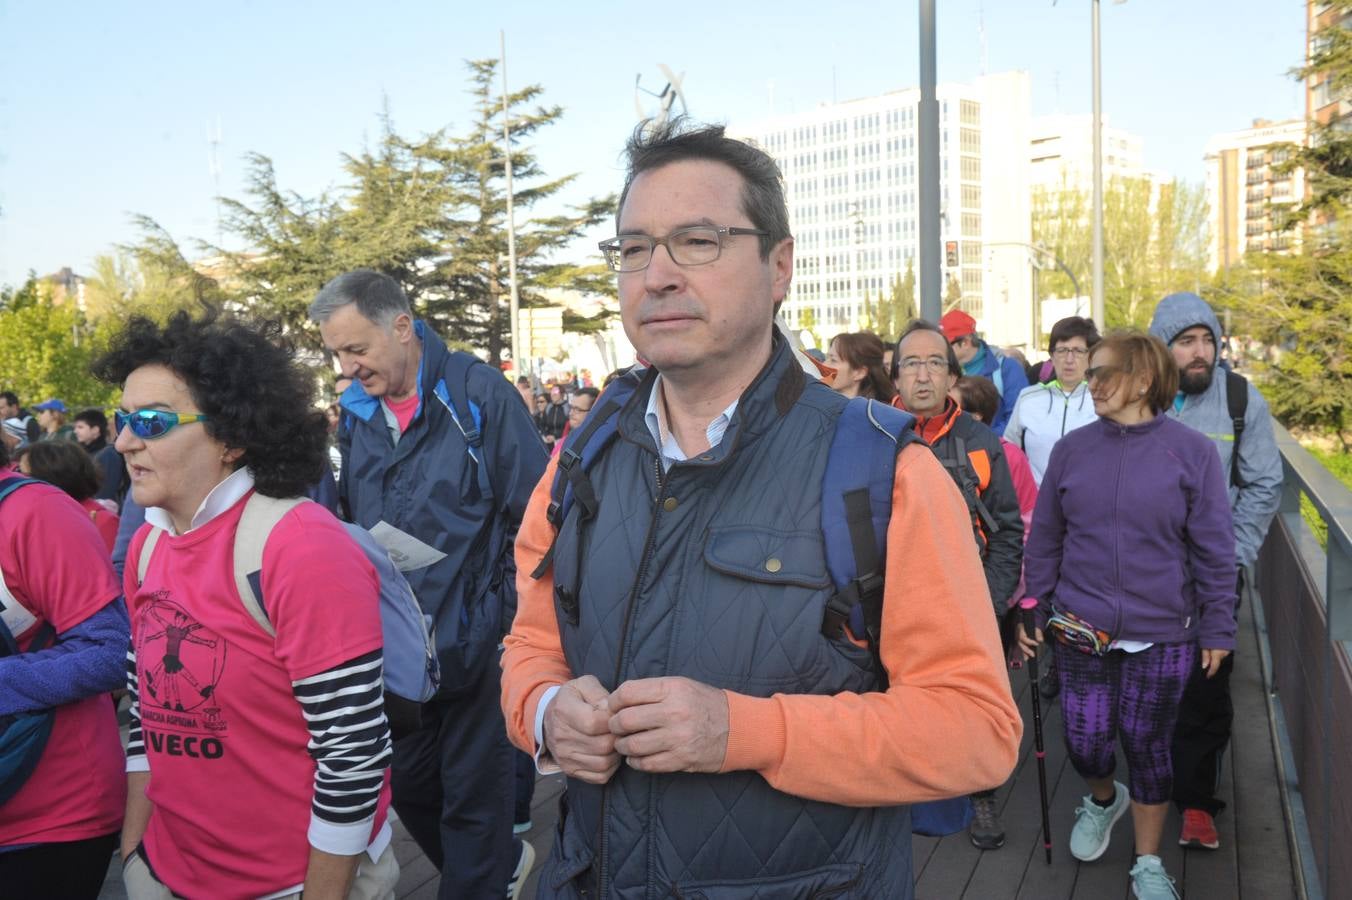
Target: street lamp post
931,304
1096,304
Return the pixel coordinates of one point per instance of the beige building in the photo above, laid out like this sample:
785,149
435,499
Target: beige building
1247,191
1061,152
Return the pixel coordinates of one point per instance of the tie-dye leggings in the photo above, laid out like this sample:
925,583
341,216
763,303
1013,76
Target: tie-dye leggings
1135,695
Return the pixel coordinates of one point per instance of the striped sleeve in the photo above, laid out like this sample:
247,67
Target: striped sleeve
136,745
344,710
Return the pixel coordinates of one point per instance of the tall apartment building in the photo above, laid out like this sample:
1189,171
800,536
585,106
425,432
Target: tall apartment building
1322,104
1246,193
851,174
1061,150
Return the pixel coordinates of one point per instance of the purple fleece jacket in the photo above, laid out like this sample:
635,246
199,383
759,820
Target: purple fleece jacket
1132,533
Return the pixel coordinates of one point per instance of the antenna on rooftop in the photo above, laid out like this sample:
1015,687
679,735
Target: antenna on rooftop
667,98
214,165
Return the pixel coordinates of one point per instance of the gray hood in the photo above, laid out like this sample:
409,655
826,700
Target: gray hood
1177,313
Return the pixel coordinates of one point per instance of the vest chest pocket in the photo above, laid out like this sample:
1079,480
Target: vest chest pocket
754,614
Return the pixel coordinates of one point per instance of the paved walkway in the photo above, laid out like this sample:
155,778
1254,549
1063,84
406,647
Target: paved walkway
1254,862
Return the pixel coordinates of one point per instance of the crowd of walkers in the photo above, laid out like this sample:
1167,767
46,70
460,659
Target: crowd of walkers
758,606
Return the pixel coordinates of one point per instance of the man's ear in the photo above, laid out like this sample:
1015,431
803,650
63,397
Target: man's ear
781,270
402,328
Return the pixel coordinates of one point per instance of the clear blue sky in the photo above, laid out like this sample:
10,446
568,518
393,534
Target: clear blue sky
105,106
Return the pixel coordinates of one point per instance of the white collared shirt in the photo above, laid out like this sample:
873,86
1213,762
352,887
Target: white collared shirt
222,497
656,419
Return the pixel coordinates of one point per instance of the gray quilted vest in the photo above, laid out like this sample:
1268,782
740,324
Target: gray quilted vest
715,571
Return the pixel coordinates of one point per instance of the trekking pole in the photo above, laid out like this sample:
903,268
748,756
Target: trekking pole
1026,607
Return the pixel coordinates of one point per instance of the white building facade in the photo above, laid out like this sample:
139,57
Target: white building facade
851,173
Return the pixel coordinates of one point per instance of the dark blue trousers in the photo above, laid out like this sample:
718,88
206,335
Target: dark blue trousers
453,784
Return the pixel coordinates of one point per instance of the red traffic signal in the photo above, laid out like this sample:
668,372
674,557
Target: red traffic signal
951,254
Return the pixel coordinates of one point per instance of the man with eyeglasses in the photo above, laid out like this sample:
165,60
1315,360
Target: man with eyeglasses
673,657
979,358
926,372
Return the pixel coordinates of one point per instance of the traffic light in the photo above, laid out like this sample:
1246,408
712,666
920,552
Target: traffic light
951,254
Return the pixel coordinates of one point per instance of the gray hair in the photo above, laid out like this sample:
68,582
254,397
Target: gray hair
379,297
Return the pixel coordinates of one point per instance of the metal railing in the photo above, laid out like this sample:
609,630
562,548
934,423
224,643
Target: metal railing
1305,609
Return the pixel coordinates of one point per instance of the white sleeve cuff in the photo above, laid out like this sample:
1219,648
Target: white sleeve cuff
138,763
340,840
544,763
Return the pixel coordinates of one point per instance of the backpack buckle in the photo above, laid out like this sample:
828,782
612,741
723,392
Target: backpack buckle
838,609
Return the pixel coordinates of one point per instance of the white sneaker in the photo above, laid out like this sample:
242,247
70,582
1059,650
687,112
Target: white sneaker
1094,825
523,867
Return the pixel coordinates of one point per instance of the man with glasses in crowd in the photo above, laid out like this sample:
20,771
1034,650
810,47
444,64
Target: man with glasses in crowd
410,460
979,358
680,628
926,371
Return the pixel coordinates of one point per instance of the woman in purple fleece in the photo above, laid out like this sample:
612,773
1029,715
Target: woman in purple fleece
1131,556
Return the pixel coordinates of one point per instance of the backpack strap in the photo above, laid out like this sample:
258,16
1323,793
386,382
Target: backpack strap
1237,403
261,514
147,548
856,509
959,465
581,449
453,392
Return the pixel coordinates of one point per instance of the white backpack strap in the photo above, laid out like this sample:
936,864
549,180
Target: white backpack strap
143,562
261,515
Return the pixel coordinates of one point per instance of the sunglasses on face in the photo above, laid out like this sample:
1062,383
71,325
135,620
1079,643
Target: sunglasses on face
1101,373
149,424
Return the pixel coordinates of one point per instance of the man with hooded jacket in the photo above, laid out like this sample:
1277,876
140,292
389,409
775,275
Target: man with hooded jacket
1188,325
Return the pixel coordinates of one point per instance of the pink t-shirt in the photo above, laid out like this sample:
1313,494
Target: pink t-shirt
403,410
231,781
105,521
56,567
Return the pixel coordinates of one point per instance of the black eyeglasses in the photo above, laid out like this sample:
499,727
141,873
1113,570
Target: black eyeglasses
695,246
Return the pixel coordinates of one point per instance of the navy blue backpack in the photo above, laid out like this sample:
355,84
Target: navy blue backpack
856,509
23,736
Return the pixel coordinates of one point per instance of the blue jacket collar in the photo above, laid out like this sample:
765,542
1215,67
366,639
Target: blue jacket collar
362,405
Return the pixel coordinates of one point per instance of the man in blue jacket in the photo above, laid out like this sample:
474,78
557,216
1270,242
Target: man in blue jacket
438,446
1253,466
979,358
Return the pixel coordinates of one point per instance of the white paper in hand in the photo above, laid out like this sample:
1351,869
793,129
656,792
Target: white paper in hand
406,552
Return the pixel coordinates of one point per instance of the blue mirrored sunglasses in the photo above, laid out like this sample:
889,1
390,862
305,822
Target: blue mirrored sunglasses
152,423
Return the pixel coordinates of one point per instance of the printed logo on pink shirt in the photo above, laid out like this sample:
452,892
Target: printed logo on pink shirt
181,662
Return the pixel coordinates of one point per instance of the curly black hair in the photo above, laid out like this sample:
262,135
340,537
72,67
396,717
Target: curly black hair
244,377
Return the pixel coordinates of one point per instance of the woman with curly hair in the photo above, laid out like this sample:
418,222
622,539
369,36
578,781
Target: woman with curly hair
858,361
228,718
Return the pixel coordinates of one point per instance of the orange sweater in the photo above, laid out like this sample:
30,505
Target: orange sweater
946,726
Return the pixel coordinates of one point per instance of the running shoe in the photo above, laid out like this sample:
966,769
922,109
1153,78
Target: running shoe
986,830
1198,831
1094,824
1149,881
